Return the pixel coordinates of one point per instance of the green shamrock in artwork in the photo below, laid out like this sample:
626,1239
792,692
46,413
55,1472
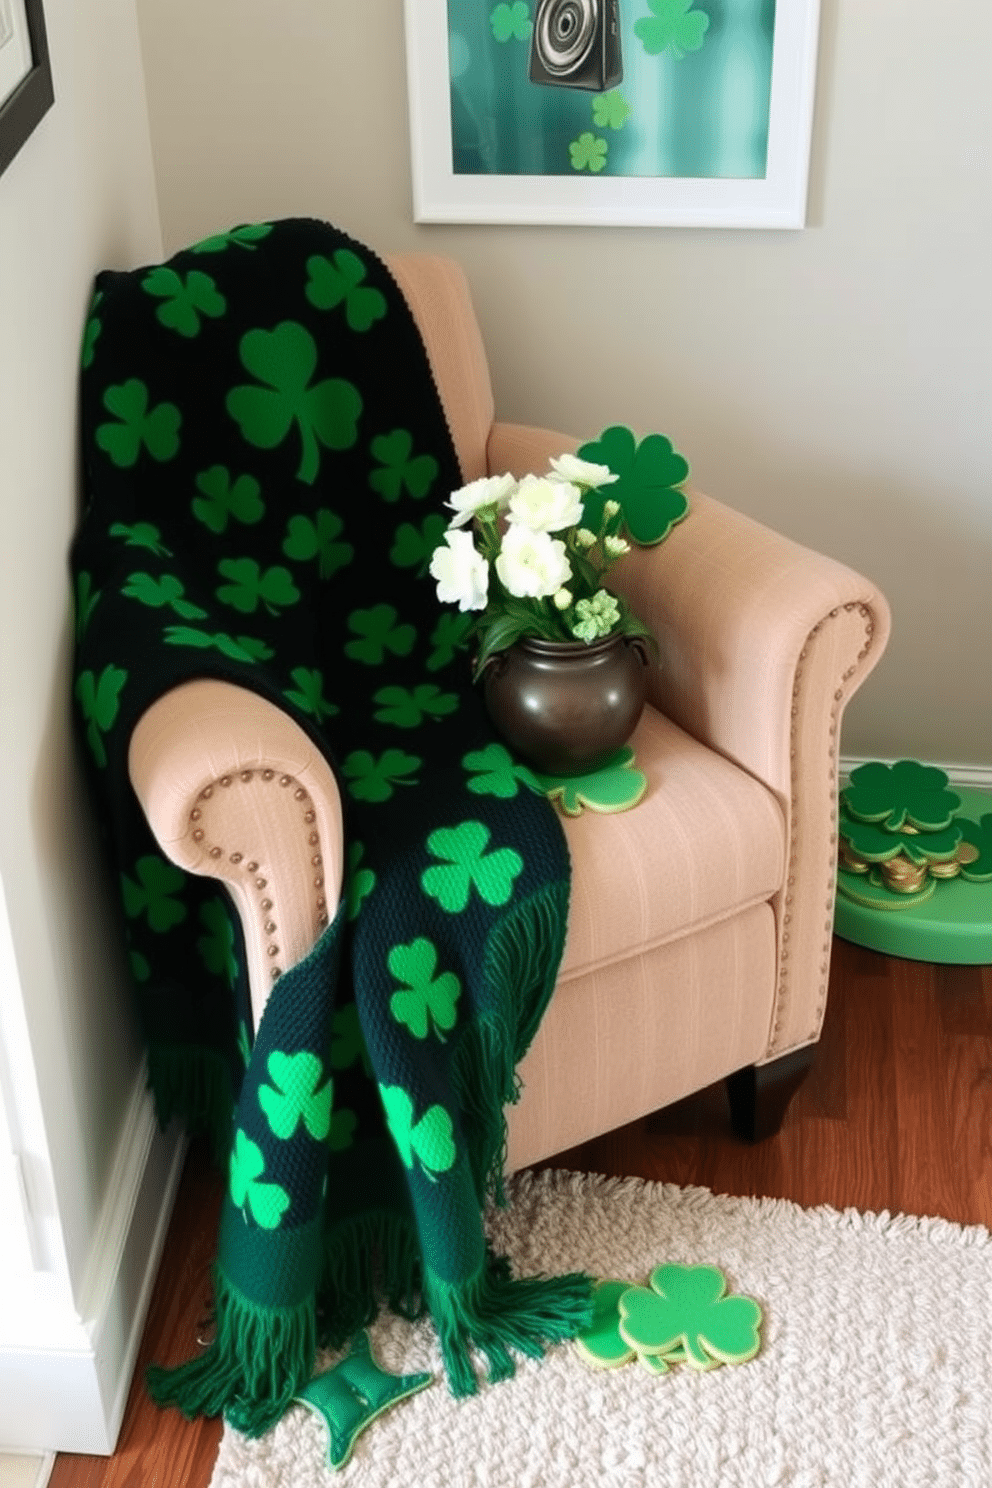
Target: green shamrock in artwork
379,633
166,591
610,110
250,586
222,499
153,893
141,535
157,429
615,786
429,1140
450,635
284,361
92,331
266,1202
217,946
401,470
359,881
648,474
99,701
372,779
237,648
511,21
296,1095
427,1000
316,537
673,24
184,302
468,865
589,152
86,602
247,237
309,694
413,546
407,709
349,1396
494,772
906,793
686,1308
341,282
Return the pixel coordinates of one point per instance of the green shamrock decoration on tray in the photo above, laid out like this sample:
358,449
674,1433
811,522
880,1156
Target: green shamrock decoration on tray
684,1315
349,1396
906,793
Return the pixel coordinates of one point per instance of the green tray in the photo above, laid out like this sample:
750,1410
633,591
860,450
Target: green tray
953,924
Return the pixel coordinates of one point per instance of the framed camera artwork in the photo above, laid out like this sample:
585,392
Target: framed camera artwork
685,113
26,92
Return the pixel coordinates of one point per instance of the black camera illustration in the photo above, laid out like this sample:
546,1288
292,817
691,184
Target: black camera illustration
576,44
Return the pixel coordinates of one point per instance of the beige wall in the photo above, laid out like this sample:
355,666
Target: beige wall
834,382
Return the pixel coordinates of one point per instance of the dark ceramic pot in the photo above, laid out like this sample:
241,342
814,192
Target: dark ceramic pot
565,706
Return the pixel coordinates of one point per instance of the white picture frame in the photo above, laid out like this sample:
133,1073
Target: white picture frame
777,199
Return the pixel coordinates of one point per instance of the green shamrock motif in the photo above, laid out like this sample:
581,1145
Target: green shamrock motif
401,468
610,110
413,546
495,772
373,779
648,474
141,535
86,602
247,237
91,332
511,22
405,709
978,835
589,152
241,648
673,24
152,895
306,539
430,1140
467,865
347,1044
600,1344
99,700
875,844
379,633
250,586
284,361
906,793
296,1095
184,303
686,1307
341,282
429,1000
359,881
217,946
267,1202
450,635
222,499
309,696
157,429
349,1396
615,786
166,591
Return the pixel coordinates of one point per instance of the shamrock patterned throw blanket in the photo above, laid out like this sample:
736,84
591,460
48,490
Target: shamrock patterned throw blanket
265,458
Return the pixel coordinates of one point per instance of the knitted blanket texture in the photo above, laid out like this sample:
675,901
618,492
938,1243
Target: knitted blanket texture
265,457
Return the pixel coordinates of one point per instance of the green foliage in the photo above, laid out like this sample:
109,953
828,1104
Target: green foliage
306,539
379,633
284,361
510,21
153,893
467,865
166,591
241,648
250,586
217,945
648,474
906,793
589,152
401,470
99,702
494,772
685,1307
141,535
429,1140
266,1202
413,546
222,499
408,709
296,1095
373,779
309,696
610,110
427,1000
184,302
246,237
157,429
341,282
673,25
601,1343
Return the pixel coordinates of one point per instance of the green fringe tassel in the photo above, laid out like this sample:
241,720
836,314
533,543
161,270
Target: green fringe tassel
260,1359
495,1313
196,1086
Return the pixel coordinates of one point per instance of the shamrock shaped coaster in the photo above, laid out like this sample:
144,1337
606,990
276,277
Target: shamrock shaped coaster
647,476
904,794
615,786
682,1316
350,1395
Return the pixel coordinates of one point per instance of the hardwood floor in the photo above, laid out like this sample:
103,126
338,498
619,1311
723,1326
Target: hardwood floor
896,1114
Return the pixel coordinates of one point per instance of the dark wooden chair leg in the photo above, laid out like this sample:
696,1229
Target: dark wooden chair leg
760,1094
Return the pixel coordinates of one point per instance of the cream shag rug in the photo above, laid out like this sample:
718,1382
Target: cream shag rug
875,1366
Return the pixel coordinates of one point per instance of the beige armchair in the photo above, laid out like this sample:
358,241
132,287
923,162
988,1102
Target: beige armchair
700,925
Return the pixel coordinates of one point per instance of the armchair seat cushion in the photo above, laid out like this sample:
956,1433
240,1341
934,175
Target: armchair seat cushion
726,844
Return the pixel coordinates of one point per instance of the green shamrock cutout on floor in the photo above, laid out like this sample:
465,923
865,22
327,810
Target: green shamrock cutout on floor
239,237
252,586
306,539
379,633
600,1344
372,779
615,786
406,708
221,499
648,474
184,302
494,772
284,362
349,1396
904,794
427,1000
467,865
217,946
266,1202
341,282
240,648
673,24
157,429
296,1095
166,591
309,694
401,470
99,700
152,894
686,1308
511,21
141,535
429,1140
414,546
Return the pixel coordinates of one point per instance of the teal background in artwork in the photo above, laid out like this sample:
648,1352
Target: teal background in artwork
697,108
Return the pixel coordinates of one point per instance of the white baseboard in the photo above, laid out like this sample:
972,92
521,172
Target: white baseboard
968,777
